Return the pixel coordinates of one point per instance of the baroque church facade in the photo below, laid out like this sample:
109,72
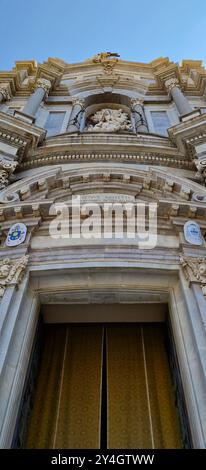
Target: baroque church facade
103,342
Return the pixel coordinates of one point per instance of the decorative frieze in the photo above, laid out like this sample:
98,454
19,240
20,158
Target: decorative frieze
12,272
195,270
150,158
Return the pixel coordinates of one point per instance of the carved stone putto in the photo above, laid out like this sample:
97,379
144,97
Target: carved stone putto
109,120
12,272
195,270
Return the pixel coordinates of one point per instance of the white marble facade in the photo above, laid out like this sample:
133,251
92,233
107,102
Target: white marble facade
102,142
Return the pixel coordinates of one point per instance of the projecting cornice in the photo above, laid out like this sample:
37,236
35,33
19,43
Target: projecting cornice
16,137
187,134
18,134
51,70
126,147
123,73
32,197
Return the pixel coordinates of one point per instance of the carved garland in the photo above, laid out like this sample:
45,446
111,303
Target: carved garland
195,270
12,272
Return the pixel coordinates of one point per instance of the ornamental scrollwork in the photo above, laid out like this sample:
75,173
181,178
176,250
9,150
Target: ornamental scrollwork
12,272
5,92
6,168
195,270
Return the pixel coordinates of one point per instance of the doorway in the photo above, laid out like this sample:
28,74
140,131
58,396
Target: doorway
104,386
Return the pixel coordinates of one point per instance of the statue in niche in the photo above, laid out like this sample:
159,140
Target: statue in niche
109,120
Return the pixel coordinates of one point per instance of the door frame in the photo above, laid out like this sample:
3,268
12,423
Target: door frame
106,284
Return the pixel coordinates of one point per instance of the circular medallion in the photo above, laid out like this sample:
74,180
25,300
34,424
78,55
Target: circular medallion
17,234
192,233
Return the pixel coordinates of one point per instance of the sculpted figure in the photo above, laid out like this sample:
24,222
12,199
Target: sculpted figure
105,56
109,120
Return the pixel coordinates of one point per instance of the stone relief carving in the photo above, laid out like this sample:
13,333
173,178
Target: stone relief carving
201,169
4,90
106,59
102,56
4,179
6,168
109,120
195,270
12,272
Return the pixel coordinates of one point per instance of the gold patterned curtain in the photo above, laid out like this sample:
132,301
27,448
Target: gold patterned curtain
141,405
68,410
67,402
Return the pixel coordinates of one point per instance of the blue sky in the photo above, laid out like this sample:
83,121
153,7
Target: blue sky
77,29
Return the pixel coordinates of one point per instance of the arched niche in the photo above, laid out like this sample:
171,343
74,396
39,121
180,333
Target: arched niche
111,101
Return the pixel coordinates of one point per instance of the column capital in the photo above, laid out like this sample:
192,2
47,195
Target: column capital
171,83
195,270
79,102
136,102
5,91
43,83
12,272
4,179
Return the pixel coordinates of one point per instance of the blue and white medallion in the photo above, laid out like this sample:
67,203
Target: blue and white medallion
192,233
17,234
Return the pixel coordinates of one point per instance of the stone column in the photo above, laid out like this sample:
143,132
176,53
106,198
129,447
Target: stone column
173,87
42,89
139,115
76,115
4,93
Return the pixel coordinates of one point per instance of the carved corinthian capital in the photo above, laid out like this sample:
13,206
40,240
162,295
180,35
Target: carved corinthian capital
136,102
4,91
12,272
171,83
195,270
79,102
6,168
43,83
4,179
200,164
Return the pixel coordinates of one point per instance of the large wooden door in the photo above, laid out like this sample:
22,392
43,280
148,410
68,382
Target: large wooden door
108,386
